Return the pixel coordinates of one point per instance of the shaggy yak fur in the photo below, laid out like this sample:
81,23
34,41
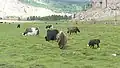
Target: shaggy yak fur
94,42
61,39
73,30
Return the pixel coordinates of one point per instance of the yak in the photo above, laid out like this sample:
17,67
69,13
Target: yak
73,30
51,34
94,42
31,31
61,39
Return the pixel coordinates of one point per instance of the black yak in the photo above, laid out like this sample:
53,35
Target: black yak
73,30
51,34
60,37
94,42
49,26
18,26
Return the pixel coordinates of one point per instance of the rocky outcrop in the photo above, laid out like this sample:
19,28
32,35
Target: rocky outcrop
98,12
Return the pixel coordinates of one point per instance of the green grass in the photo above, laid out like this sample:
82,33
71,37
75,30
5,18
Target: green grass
17,51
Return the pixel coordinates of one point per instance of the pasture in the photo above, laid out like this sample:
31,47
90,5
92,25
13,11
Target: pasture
17,51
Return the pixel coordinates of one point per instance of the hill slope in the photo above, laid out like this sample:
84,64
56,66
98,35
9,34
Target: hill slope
58,6
16,8
99,13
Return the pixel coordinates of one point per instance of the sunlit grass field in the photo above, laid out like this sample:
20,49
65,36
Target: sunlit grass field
17,51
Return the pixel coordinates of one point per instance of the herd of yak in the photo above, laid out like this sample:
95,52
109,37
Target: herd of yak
59,36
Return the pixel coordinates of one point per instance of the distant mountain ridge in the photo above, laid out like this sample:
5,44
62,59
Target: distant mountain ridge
16,8
59,5
26,8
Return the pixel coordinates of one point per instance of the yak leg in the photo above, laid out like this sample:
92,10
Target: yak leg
76,32
98,45
93,46
61,46
90,46
70,33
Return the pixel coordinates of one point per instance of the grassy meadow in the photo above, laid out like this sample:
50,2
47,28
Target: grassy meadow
17,51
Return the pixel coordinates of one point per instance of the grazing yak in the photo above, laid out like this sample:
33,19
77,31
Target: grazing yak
51,34
49,26
56,23
61,39
18,26
45,22
1,22
94,42
31,31
73,30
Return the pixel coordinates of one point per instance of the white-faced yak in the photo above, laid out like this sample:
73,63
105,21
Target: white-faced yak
32,31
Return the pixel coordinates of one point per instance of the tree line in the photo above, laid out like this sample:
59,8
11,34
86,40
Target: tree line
49,18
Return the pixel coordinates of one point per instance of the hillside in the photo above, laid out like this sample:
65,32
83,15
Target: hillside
17,8
100,12
59,5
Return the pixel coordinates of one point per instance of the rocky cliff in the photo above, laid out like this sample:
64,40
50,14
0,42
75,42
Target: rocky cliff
100,10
